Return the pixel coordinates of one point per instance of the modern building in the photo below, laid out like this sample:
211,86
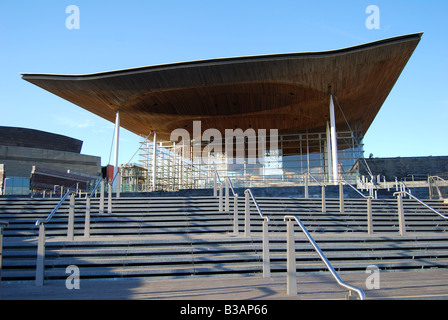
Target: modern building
407,168
37,160
263,120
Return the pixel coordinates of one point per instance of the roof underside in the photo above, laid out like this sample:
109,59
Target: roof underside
288,92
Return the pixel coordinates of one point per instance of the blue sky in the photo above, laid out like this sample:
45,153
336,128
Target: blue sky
124,34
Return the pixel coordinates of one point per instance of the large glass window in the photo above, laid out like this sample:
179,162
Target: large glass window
17,186
296,154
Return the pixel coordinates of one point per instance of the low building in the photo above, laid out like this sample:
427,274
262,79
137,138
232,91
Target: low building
404,168
51,154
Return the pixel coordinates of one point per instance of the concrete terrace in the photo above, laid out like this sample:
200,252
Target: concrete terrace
184,249
408,285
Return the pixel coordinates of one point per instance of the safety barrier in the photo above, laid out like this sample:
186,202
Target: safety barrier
291,257
401,217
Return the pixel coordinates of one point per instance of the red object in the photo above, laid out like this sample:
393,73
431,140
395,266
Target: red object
109,172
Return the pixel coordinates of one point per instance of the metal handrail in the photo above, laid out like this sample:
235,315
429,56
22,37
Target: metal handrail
40,262
438,178
421,202
314,178
94,189
228,183
330,268
115,176
40,221
217,174
404,186
349,184
216,183
433,181
231,186
248,191
266,250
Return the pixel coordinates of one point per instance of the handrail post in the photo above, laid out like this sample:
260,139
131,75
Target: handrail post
109,199
118,184
87,219
291,260
226,196
306,186
71,218
324,200
220,197
215,184
291,280
266,256
401,220
341,196
369,216
246,214
422,203
235,214
102,197
40,263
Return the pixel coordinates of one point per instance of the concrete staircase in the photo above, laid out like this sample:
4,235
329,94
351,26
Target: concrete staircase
169,237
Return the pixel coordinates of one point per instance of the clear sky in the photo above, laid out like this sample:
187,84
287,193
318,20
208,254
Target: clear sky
122,34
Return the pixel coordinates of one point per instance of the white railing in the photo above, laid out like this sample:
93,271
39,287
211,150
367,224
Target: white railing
368,199
266,255
323,186
40,263
401,218
101,206
110,187
291,259
437,182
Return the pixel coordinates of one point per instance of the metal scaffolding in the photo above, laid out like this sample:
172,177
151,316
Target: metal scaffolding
171,166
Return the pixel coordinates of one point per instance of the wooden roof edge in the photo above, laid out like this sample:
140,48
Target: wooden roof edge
161,67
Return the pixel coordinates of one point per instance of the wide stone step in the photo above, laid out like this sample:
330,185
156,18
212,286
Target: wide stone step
226,255
184,237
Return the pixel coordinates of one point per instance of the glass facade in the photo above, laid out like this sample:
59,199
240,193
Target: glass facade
16,186
169,166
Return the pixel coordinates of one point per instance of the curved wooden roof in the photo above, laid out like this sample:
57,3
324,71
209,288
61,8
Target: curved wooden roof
289,92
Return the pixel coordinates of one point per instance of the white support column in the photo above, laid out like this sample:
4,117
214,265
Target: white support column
329,162
117,145
334,144
154,161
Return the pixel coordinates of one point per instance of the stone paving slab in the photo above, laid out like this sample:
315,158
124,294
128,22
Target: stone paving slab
430,284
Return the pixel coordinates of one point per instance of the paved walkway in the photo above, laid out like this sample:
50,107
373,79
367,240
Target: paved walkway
431,284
